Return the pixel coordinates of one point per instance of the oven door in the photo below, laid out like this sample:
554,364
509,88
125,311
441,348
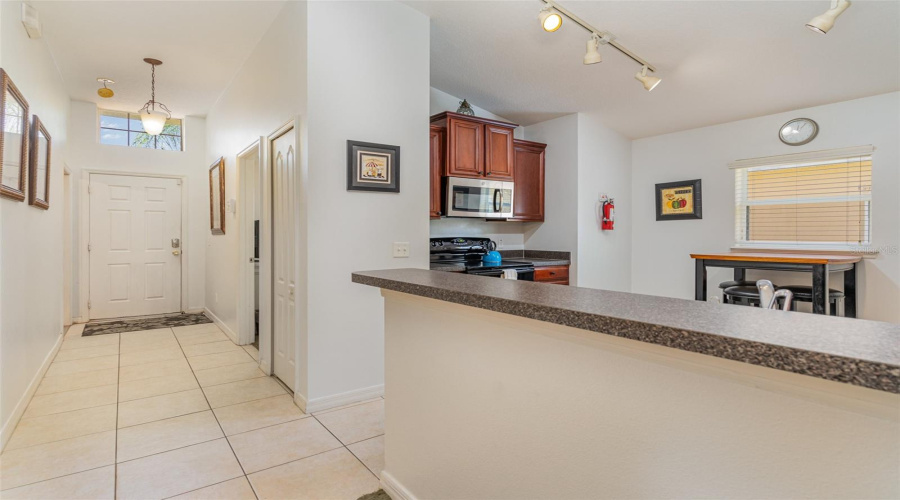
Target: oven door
479,198
523,273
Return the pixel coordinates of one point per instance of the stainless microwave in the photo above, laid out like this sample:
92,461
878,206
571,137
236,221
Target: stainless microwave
480,198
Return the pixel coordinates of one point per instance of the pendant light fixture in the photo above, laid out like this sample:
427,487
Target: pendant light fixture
154,120
105,92
824,22
551,20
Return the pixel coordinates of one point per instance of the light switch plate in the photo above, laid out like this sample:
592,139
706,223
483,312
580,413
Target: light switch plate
401,249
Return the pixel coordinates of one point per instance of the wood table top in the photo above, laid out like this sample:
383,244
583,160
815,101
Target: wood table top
792,258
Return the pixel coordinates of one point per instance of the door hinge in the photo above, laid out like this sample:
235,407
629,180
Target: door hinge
89,304
89,247
89,189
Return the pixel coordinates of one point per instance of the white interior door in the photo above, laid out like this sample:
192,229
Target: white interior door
284,205
135,261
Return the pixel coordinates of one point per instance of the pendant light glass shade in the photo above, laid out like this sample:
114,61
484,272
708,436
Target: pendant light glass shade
550,20
153,121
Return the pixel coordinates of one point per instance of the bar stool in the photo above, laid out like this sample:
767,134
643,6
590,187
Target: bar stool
742,295
736,283
803,293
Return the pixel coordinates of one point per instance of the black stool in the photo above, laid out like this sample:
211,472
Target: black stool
728,284
803,293
742,295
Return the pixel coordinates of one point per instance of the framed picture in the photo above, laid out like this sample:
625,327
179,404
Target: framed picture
217,197
679,200
13,139
373,167
39,166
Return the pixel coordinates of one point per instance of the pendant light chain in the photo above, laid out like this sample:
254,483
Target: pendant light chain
153,86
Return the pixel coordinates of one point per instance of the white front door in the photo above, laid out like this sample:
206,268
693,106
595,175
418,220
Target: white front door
135,267
284,178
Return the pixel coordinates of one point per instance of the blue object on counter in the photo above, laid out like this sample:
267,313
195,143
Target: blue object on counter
492,257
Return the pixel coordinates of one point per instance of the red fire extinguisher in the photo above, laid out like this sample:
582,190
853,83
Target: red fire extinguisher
609,215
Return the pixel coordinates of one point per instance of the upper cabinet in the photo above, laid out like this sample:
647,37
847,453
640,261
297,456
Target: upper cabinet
436,142
528,197
477,147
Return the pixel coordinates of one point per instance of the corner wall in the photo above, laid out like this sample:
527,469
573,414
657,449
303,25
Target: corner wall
31,256
368,81
662,265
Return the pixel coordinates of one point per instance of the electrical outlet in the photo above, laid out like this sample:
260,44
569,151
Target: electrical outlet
401,249
499,243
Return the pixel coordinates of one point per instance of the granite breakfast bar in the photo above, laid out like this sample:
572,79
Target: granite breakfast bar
531,391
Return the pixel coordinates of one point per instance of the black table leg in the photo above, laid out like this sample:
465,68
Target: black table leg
820,302
740,274
850,292
700,280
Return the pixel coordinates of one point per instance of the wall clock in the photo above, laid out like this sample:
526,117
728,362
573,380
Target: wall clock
798,131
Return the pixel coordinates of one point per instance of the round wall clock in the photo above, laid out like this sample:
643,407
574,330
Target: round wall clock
798,131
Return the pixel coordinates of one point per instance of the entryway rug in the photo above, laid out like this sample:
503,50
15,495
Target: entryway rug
102,327
378,495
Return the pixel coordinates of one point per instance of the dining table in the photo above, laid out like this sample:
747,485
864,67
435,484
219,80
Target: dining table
819,265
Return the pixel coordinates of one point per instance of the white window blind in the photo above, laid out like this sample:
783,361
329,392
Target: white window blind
817,199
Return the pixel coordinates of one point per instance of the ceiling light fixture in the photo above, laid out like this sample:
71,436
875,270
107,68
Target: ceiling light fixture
154,120
824,22
649,82
592,55
105,92
550,21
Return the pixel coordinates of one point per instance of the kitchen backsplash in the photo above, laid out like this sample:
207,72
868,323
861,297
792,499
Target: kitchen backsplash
508,235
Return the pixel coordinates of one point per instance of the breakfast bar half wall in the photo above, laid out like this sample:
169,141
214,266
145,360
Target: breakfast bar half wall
509,389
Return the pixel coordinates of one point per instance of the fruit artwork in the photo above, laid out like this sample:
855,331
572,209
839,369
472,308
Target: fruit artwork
675,203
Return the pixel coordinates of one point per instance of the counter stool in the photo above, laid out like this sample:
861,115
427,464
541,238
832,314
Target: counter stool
726,299
803,293
746,295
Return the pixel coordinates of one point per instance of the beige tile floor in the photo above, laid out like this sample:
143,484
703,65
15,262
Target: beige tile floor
182,413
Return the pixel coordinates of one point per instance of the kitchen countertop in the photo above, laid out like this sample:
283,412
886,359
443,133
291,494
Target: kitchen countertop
852,351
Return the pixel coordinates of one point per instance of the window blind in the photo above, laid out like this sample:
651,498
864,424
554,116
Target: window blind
814,202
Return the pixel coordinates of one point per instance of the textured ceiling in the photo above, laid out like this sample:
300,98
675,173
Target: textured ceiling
202,46
720,61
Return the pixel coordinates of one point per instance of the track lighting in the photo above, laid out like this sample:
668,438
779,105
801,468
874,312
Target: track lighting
649,82
824,22
550,20
592,55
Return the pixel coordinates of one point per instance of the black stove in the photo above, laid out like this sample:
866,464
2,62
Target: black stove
468,252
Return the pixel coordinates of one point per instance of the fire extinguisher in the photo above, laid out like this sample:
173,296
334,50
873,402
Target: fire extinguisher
609,215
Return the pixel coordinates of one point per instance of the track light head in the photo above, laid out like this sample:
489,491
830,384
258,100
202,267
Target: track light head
649,82
592,55
550,19
824,22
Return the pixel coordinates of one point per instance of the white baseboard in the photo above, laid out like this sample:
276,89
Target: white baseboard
10,425
300,401
344,398
393,488
79,320
194,310
221,324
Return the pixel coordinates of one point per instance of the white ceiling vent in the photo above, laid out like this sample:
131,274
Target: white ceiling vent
31,20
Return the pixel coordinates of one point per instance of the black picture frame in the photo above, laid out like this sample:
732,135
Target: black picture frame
381,171
692,186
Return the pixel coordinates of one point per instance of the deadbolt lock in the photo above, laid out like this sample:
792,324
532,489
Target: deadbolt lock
176,243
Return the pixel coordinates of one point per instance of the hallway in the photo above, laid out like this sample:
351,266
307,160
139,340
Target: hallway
182,412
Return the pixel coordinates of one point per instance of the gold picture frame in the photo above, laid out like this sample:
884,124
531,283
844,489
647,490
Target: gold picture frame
12,135
217,197
39,166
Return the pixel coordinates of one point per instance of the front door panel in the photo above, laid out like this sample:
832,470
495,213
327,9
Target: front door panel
284,310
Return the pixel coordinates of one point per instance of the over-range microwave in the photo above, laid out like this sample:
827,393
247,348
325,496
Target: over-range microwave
479,198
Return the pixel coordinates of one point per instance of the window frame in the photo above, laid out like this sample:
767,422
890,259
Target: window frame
134,116
742,167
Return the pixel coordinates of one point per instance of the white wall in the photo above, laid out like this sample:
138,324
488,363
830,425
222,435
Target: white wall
369,81
604,167
661,263
31,254
487,405
86,153
268,91
559,231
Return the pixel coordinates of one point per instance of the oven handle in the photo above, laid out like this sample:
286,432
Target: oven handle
498,204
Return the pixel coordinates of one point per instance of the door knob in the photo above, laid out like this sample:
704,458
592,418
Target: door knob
176,252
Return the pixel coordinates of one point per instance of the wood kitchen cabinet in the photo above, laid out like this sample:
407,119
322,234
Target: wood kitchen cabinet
477,147
436,141
555,275
528,197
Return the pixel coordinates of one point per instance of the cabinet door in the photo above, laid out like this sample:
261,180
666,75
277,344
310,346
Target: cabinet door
498,154
436,140
465,148
528,197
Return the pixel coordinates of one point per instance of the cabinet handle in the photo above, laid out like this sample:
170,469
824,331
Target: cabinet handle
552,273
